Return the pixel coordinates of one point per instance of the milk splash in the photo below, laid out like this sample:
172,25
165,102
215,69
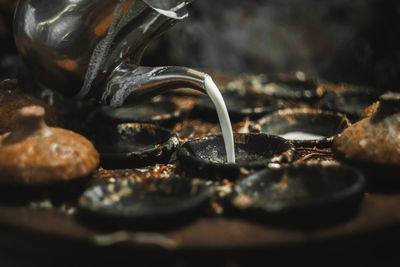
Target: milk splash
223,116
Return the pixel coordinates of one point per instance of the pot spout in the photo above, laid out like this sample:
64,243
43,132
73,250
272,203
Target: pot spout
130,84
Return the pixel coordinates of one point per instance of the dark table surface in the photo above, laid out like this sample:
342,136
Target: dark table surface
48,236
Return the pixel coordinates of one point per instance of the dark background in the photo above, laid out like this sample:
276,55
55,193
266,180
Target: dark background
354,41
337,40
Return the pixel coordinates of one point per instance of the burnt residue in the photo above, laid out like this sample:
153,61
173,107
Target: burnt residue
207,157
315,155
102,175
195,128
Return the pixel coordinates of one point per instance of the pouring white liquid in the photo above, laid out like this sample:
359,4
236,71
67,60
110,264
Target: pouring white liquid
223,116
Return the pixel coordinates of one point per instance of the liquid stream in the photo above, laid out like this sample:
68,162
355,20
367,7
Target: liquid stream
223,116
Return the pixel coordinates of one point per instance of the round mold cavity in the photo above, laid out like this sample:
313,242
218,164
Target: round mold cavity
289,86
300,192
134,145
239,106
164,113
207,157
351,101
146,201
303,126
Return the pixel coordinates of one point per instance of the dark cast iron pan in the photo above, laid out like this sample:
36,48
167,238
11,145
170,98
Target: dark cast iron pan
300,194
351,101
163,113
239,106
290,86
134,145
314,121
207,157
148,202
